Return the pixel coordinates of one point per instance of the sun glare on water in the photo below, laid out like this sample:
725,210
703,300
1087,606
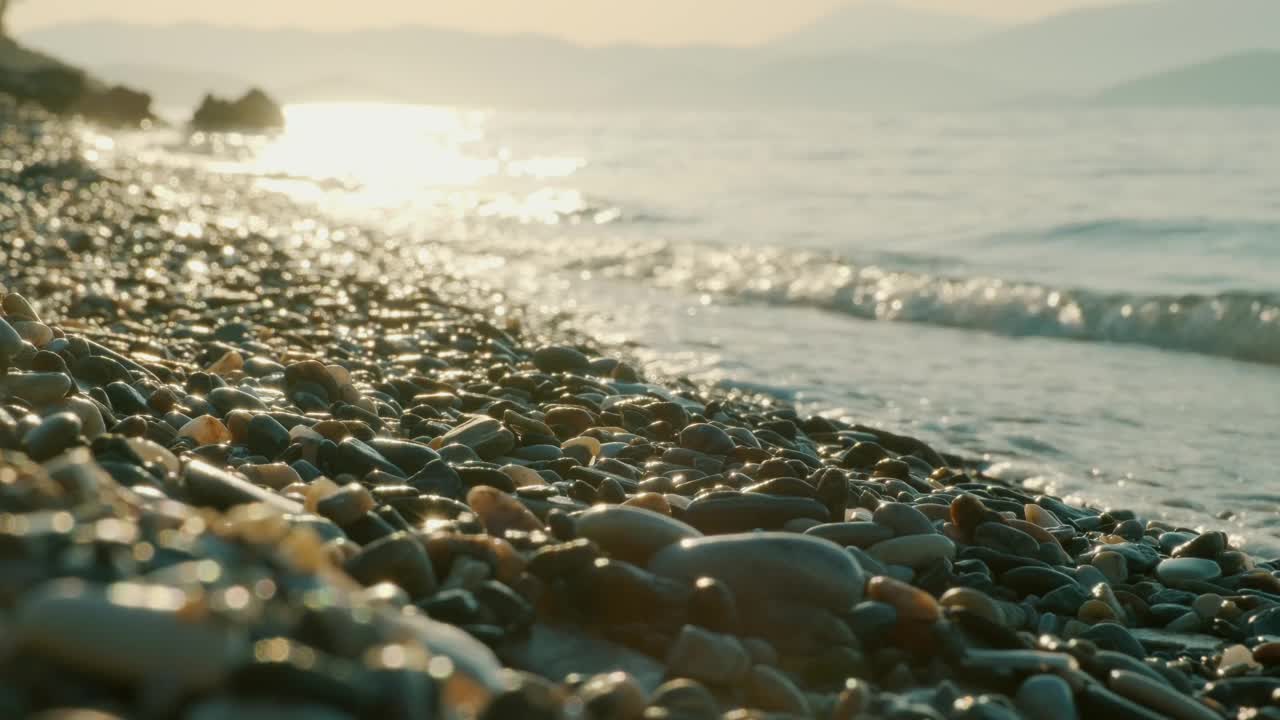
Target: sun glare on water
382,155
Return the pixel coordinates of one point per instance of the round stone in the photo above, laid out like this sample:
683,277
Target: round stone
501,512
558,358
706,438
1178,571
798,568
206,430
902,519
1112,566
130,632
631,533
36,388
973,601
54,434
708,657
1158,696
1046,697
914,551
858,534
910,602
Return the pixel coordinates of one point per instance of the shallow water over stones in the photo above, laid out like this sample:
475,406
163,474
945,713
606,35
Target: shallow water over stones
280,481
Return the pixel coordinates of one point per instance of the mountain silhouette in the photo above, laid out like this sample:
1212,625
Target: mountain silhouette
1072,56
1242,80
1086,50
880,24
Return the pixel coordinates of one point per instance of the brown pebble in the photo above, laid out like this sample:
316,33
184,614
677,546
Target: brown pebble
973,601
968,512
276,476
655,502
1267,653
230,362
206,430
1035,531
500,512
912,603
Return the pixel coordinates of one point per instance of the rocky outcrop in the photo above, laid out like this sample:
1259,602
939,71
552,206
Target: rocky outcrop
118,106
55,88
60,88
254,112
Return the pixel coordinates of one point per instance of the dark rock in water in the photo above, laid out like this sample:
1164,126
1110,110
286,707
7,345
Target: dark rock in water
117,106
558,358
255,111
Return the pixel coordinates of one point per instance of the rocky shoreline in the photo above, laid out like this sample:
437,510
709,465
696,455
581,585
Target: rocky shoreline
257,466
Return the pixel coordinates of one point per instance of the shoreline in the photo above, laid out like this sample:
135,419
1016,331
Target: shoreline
256,458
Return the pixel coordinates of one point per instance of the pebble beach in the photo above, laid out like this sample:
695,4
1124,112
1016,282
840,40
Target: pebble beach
257,465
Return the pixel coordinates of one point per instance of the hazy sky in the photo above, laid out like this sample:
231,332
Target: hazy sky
587,21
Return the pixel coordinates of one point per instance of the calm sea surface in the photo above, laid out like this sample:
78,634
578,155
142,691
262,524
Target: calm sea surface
1090,299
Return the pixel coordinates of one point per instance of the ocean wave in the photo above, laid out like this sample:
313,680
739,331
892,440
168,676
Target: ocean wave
1137,231
1239,325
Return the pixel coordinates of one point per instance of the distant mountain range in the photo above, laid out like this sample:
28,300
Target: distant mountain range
1087,50
879,25
865,55
1246,79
